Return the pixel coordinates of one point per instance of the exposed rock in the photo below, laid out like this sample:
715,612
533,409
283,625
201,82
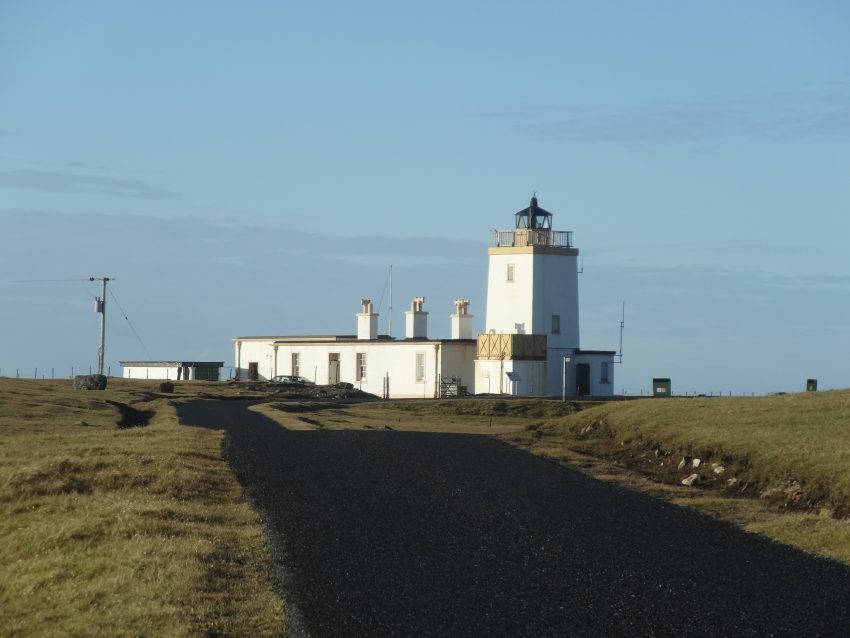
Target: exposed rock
696,463
685,460
717,468
786,489
732,482
90,382
166,386
689,481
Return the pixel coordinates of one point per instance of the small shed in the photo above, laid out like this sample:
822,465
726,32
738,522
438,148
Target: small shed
173,370
661,387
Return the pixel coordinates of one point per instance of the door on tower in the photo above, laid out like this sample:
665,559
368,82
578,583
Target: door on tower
583,379
333,368
253,371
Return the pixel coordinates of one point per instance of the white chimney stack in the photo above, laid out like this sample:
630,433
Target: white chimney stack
367,321
462,320
416,320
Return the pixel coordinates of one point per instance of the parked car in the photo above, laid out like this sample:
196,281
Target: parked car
292,378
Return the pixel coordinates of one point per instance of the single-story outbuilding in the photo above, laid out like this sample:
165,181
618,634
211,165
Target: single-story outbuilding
173,370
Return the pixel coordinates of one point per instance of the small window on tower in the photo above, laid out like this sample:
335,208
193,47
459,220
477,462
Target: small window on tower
510,276
556,324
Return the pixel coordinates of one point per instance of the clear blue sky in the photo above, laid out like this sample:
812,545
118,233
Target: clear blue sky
254,167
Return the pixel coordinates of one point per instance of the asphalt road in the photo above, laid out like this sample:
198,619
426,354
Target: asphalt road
413,534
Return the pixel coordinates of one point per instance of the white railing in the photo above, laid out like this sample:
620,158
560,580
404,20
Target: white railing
533,237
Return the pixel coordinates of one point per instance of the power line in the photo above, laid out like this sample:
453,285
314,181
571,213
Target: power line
37,281
130,323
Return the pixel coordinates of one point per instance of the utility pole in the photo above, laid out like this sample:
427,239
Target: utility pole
100,307
390,309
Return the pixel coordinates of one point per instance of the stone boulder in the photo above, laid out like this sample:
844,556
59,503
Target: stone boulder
690,480
90,382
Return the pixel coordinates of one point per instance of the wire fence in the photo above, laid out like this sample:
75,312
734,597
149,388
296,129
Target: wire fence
63,372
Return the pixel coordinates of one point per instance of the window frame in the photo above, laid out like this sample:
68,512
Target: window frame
295,364
510,274
556,325
419,367
360,366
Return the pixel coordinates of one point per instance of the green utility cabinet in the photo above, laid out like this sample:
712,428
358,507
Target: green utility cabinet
661,388
811,385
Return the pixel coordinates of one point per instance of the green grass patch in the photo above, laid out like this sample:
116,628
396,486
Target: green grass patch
767,442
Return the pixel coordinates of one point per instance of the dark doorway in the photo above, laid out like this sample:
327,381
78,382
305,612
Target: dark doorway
253,372
583,379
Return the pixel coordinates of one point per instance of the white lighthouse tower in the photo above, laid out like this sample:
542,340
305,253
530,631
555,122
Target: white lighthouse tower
531,340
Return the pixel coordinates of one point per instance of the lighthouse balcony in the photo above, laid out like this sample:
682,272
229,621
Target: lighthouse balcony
518,237
495,345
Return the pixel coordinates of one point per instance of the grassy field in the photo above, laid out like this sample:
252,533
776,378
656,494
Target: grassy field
111,530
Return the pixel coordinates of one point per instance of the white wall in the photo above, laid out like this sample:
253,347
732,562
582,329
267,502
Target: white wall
459,361
597,387
556,293
510,304
545,284
396,358
532,375
153,372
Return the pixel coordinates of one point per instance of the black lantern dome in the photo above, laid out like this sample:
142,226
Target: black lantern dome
534,217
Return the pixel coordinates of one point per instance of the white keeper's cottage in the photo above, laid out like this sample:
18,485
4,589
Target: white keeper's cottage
530,345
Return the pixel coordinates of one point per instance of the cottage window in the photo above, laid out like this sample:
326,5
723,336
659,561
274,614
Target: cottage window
420,366
296,364
604,378
510,274
361,367
556,324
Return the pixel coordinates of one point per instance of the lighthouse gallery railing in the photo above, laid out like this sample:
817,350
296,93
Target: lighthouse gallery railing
533,237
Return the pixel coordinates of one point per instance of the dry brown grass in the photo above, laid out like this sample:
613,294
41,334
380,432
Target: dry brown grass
107,531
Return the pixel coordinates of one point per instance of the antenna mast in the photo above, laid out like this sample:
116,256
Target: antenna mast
390,309
622,324
100,307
